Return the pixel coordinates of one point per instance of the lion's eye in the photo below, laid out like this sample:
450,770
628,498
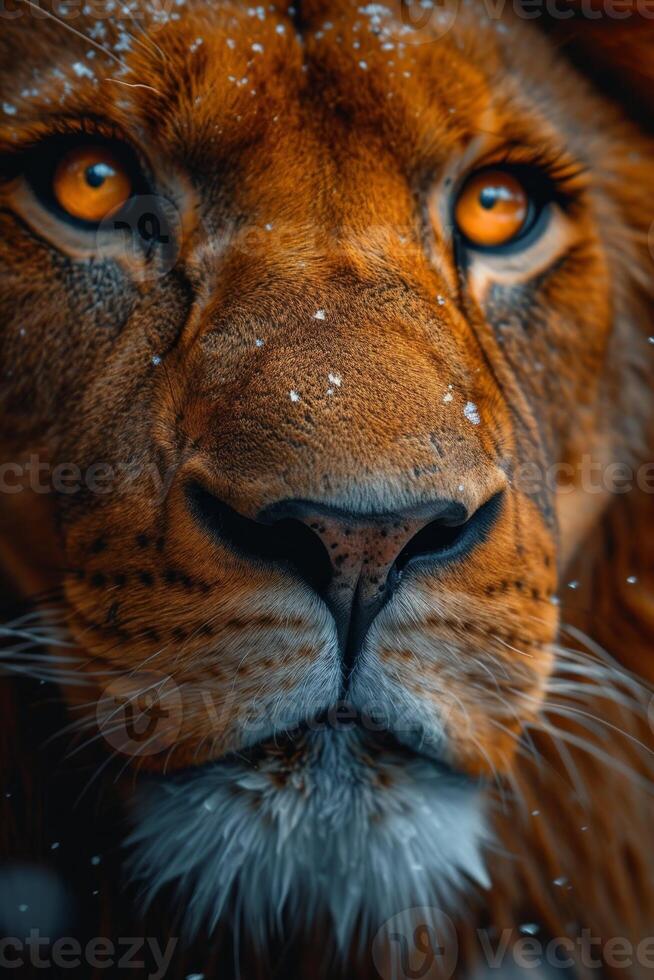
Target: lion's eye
493,209
90,182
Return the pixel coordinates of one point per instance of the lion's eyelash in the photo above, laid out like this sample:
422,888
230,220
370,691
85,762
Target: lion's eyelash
564,174
14,159
59,126
560,169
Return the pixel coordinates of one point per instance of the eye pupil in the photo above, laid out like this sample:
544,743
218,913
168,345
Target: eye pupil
488,198
492,209
90,182
97,173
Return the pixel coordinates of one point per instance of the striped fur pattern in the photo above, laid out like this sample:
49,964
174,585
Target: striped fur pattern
316,331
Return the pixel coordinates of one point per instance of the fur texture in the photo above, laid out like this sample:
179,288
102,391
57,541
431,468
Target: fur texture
315,340
335,831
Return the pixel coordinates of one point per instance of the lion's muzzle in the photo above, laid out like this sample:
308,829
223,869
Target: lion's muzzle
353,560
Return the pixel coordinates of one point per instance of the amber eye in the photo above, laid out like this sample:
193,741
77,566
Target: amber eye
492,209
90,182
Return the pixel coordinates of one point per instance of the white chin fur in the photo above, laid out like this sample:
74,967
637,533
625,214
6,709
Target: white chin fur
333,828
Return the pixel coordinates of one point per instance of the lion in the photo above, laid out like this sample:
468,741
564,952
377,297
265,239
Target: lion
326,386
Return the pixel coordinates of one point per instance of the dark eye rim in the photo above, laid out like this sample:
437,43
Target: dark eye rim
42,159
541,194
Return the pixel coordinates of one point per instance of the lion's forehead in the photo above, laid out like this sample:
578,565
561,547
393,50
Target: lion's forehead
217,83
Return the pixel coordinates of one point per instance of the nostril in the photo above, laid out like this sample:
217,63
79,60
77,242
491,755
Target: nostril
451,536
287,541
433,540
303,550
298,534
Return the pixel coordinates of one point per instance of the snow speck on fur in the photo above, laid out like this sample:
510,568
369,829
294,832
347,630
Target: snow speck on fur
82,70
471,412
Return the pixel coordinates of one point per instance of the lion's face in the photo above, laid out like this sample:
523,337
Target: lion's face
328,392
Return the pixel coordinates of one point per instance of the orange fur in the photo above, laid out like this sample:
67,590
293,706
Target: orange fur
350,166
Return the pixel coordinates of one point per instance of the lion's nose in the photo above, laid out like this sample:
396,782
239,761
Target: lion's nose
354,561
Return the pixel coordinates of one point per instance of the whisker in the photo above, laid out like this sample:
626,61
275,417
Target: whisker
85,37
96,44
121,81
523,653
591,749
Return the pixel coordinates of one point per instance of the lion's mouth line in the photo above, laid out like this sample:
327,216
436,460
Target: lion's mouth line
374,742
